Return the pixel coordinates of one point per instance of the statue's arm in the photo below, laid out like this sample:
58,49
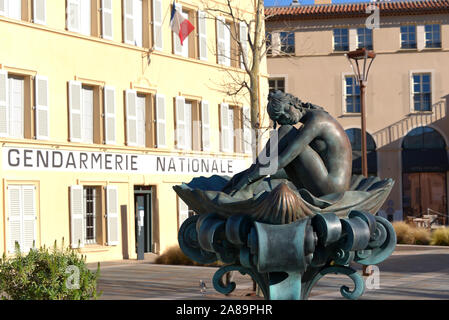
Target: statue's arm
294,148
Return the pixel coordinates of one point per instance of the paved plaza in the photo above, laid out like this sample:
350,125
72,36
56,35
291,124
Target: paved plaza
412,272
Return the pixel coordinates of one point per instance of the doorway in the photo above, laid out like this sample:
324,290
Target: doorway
424,191
143,220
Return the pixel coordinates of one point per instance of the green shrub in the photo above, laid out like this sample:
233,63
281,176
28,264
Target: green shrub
440,237
175,256
44,274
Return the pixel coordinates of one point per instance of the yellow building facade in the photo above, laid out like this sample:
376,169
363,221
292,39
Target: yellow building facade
102,111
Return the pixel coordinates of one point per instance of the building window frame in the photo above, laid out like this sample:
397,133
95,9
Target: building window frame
277,83
365,38
287,40
432,34
352,94
339,43
408,37
422,90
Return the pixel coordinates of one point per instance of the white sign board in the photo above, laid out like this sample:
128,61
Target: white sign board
82,161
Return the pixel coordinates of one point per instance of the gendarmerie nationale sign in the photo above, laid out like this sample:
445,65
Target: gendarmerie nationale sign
83,161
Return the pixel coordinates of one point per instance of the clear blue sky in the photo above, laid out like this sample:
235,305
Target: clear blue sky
287,2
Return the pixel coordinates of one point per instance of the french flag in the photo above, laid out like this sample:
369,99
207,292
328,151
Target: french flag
180,25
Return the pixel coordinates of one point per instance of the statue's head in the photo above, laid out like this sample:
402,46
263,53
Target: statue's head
284,108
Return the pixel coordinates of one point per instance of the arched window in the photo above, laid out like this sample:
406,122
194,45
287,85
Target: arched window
424,150
355,137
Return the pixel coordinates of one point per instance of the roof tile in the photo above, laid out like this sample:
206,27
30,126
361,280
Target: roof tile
326,11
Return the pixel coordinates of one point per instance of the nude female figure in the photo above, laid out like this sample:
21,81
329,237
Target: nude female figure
316,156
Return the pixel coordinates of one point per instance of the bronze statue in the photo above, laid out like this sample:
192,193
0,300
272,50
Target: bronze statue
317,156
293,216
312,172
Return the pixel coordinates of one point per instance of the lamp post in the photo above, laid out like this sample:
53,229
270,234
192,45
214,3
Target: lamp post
361,60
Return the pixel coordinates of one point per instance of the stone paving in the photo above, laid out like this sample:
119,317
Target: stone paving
412,272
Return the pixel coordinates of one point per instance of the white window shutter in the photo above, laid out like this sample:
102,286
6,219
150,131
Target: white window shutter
85,17
29,217
131,117
3,7
73,15
4,109
128,24
160,121
247,132
353,40
138,23
75,106
180,123
177,47
14,217
243,32
157,24
140,123
39,12
202,34
15,9
107,19
224,123
42,111
109,114
77,216
188,125
16,107
205,125
221,45
420,37
112,215
183,211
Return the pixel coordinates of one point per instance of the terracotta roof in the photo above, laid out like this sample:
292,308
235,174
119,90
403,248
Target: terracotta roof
329,11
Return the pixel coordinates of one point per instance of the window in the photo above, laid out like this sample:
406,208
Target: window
227,51
408,37
352,95
92,219
79,16
355,137
11,9
232,130
365,38
91,197
277,84
85,113
287,42
341,39
422,93
133,22
16,101
187,49
21,217
192,124
433,39
145,119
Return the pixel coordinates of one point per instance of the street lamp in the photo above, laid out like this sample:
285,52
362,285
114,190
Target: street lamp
361,60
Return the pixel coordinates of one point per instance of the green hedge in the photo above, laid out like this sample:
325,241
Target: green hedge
44,274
